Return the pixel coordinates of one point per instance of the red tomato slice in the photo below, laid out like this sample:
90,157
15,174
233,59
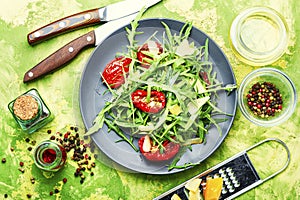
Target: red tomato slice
156,103
146,47
170,150
113,72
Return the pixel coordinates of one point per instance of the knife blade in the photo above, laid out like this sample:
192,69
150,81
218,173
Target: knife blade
89,17
65,54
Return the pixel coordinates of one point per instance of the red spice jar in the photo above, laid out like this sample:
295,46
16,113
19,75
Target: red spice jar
49,156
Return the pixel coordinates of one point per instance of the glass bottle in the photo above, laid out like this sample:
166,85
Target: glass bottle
50,156
30,111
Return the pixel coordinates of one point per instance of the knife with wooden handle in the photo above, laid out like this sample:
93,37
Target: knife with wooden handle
116,17
89,17
69,51
60,57
64,25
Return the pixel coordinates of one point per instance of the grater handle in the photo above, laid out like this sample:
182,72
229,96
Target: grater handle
287,151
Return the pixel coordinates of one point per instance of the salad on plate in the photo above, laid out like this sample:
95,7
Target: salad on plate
163,95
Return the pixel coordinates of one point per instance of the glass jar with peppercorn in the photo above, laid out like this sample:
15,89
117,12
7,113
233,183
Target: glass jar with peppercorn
267,97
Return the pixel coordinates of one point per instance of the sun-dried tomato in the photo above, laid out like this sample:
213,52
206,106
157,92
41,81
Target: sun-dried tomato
204,76
155,104
145,47
170,150
113,72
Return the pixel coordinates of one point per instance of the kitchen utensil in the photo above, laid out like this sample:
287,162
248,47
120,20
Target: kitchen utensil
238,173
72,49
89,17
65,54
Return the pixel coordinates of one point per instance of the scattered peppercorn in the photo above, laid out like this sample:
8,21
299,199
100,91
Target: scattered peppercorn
65,180
66,135
22,170
21,164
71,141
29,148
51,193
32,180
12,149
5,195
28,196
27,140
52,137
49,131
3,160
92,173
264,99
56,190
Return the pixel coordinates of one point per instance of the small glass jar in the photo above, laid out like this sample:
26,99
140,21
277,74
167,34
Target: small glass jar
30,111
259,36
50,156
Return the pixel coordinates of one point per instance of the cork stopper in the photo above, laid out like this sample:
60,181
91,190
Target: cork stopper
26,107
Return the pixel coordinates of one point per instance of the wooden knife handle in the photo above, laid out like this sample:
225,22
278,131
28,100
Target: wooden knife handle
60,57
63,25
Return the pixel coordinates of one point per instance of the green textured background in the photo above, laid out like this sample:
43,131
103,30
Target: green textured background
60,91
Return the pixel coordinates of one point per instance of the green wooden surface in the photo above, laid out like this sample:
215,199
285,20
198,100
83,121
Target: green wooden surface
60,91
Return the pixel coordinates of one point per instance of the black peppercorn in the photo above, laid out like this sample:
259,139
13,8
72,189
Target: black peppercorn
22,170
32,180
52,137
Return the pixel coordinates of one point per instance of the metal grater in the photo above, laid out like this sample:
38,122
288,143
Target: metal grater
238,173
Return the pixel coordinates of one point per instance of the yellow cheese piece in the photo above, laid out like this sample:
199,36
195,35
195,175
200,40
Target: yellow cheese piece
193,185
175,109
213,188
195,195
175,197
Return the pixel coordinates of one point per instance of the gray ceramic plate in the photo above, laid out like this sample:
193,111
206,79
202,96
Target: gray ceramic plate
92,100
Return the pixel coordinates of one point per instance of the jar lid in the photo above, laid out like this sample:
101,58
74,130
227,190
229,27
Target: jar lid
259,36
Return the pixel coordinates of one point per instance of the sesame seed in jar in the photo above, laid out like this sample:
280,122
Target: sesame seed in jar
26,107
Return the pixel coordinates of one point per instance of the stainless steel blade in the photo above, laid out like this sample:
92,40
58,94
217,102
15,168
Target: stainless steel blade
107,29
124,8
